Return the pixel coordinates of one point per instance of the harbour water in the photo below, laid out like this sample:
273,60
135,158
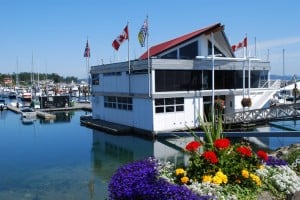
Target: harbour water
60,159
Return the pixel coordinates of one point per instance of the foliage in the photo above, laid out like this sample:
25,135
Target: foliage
216,169
213,130
226,164
25,77
140,180
246,102
219,104
293,159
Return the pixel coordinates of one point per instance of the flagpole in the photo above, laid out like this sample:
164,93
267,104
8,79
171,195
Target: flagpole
129,71
213,76
128,48
148,59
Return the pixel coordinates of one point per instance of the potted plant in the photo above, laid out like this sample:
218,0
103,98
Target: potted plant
219,104
246,102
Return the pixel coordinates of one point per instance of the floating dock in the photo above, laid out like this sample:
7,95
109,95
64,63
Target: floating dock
114,128
44,113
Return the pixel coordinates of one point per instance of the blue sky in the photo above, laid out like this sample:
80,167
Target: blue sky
55,31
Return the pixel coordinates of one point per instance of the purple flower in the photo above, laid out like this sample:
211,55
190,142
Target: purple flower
273,161
139,180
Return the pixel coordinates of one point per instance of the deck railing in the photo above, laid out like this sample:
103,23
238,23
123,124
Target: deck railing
287,111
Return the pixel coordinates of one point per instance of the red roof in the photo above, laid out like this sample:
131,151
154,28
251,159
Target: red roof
157,49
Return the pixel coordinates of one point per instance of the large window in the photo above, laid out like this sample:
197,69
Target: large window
121,103
216,50
170,55
189,51
163,105
186,80
181,80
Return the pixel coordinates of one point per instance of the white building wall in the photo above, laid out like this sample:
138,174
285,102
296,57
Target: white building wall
97,107
143,114
139,83
114,83
179,120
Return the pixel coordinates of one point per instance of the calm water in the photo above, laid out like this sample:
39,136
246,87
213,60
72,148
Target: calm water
62,160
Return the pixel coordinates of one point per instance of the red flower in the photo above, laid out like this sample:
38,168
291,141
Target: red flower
245,151
210,156
193,146
262,155
222,143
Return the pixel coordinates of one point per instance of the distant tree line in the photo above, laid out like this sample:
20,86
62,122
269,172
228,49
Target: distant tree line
25,78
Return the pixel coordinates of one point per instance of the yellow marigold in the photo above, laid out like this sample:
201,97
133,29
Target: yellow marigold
217,180
245,173
184,179
224,179
207,178
256,179
222,176
179,171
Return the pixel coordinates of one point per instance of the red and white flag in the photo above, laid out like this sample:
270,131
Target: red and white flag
121,38
239,45
87,52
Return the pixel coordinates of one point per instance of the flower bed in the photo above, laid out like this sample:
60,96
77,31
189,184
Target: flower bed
216,169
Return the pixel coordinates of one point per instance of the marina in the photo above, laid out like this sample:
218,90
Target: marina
62,159
82,96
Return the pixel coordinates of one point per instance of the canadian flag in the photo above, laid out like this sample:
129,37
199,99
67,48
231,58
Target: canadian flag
239,45
121,38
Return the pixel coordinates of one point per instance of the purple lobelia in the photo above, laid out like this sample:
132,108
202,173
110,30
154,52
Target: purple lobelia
139,181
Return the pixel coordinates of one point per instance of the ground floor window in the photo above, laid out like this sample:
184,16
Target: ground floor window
163,105
121,103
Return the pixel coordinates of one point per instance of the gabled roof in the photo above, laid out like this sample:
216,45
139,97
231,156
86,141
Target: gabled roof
157,49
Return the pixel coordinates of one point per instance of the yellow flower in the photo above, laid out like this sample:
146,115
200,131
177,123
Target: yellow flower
217,180
245,173
256,179
184,179
179,171
222,176
207,178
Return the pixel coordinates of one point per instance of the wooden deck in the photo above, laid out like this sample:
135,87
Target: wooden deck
264,115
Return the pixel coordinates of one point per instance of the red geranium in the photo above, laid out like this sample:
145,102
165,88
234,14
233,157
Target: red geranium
210,156
244,150
193,146
262,155
222,143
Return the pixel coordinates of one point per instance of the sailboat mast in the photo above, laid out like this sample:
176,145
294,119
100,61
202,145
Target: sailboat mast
283,67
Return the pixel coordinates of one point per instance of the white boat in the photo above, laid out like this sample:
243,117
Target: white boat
3,105
28,113
12,95
26,96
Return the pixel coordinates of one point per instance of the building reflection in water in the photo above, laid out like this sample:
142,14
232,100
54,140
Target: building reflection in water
109,152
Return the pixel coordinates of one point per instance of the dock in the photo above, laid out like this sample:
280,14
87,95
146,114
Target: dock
44,113
114,128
